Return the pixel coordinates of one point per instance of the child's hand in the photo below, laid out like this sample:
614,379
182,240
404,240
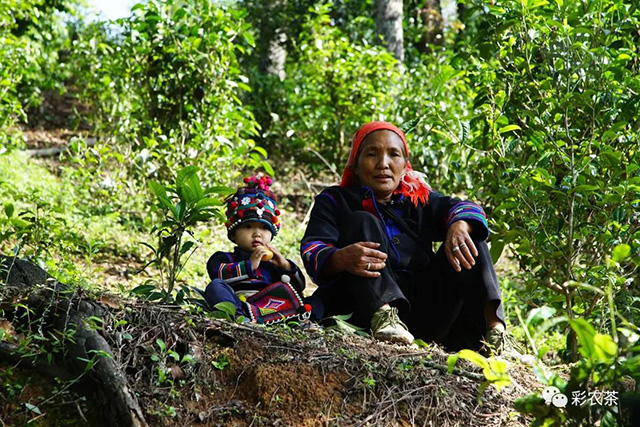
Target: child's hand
279,260
257,255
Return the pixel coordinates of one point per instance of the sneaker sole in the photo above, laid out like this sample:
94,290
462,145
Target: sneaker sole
394,338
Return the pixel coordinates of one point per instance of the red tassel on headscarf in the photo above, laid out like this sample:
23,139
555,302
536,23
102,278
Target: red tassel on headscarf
412,184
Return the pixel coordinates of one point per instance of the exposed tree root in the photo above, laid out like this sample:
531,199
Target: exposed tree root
58,310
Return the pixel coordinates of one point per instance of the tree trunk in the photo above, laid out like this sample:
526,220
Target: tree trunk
273,39
389,23
54,307
276,55
432,26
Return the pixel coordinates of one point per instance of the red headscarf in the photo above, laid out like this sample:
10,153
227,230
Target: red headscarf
412,184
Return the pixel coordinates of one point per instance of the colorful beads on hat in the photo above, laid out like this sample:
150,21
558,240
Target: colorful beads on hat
253,201
259,181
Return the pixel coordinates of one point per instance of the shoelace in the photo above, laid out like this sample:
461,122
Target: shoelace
507,343
392,317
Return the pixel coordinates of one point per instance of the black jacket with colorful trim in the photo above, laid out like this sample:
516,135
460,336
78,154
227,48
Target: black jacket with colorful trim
234,268
429,221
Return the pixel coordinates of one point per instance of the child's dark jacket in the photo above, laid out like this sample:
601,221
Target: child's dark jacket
235,269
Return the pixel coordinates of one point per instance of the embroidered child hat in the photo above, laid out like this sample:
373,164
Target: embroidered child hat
253,202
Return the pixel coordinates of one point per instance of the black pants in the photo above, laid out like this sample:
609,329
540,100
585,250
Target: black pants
436,302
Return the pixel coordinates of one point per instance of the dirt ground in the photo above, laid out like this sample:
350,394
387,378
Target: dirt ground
289,376
189,369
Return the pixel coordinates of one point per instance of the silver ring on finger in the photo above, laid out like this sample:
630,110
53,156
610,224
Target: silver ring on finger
462,244
368,266
455,249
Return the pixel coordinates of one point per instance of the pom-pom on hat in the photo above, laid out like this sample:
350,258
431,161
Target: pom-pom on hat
253,202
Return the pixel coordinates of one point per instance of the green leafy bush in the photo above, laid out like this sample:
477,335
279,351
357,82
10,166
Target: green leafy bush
333,87
33,36
166,87
608,361
556,129
438,94
183,206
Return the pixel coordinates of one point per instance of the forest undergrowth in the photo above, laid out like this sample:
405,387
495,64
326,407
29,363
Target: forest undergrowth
111,131
188,368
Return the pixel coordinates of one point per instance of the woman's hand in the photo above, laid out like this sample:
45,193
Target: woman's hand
459,247
279,260
360,259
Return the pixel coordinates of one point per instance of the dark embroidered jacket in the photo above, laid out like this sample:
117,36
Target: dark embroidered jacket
430,221
234,268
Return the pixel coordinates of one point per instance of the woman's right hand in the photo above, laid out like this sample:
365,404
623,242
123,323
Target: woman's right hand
360,259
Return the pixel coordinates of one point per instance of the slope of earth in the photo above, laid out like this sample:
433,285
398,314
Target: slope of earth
173,365
239,374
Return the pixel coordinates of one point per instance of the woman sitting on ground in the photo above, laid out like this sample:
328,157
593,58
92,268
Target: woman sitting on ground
368,247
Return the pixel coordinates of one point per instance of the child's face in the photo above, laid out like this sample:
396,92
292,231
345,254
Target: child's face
252,234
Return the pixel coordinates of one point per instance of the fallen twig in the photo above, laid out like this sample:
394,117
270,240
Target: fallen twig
54,151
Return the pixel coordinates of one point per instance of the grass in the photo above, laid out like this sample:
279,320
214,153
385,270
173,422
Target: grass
62,221
75,221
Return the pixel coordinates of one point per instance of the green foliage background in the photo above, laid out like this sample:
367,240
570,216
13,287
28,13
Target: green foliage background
529,107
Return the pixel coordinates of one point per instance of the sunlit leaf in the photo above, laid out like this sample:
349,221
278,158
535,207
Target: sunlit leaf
226,307
267,167
585,334
621,252
509,128
474,357
605,348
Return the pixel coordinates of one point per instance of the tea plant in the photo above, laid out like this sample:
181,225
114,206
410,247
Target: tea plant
554,133
182,205
172,72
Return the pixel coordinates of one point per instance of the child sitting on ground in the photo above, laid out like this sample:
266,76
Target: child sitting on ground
263,285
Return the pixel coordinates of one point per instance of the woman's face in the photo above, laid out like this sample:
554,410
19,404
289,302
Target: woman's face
381,163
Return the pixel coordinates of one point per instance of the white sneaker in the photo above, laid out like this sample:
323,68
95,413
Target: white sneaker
387,326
